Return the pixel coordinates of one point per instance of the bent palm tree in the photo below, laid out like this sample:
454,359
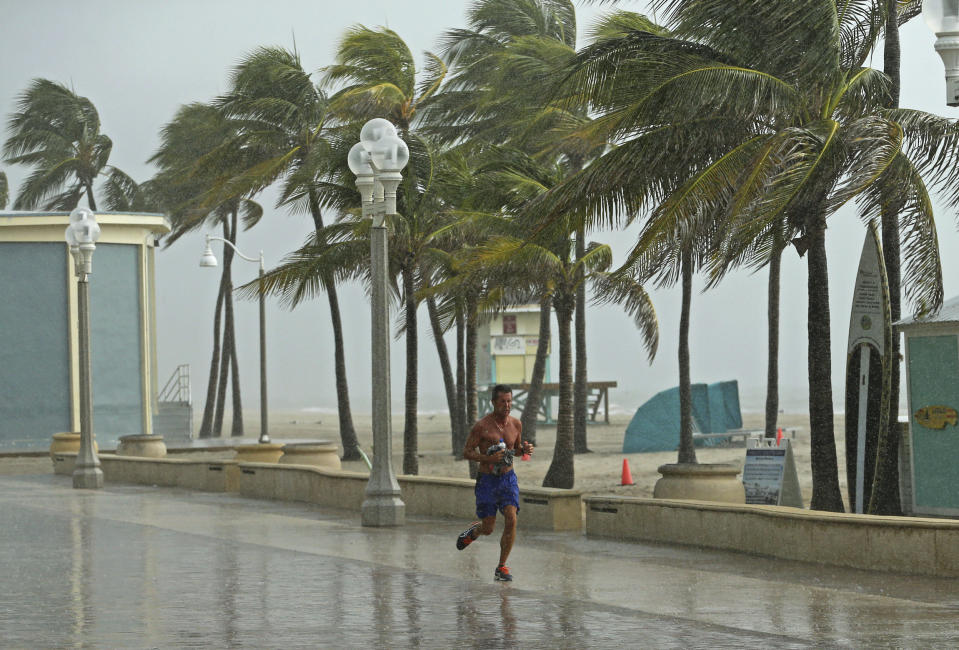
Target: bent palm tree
57,133
283,114
377,77
752,112
199,147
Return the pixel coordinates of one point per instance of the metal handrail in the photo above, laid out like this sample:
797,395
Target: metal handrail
177,388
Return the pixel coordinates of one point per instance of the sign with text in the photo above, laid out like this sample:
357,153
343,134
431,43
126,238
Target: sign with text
769,475
509,345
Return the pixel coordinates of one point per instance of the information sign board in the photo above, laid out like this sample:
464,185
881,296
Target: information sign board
769,475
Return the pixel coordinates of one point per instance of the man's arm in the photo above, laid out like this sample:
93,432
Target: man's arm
521,447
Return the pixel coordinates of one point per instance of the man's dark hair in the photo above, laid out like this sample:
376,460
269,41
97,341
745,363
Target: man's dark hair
499,389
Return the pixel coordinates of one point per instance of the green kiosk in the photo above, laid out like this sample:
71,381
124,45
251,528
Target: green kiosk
929,453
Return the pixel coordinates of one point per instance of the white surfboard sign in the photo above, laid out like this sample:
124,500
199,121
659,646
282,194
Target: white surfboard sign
865,323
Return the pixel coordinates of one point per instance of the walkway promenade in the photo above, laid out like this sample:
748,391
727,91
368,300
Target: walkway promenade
140,567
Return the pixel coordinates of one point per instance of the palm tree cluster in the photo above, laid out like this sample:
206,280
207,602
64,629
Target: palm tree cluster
729,131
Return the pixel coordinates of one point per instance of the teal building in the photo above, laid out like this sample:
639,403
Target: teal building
39,354
929,455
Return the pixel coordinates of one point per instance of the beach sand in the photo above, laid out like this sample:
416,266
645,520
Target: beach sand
598,472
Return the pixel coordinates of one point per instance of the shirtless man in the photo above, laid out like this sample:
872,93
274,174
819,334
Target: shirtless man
496,487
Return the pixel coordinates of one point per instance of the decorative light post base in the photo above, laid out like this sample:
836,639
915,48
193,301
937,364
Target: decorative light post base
383,510
700,482
90,477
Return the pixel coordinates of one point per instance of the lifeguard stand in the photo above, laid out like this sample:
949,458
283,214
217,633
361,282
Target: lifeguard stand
506,354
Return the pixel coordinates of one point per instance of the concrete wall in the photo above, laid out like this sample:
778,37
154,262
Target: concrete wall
900,544
208,476
544,508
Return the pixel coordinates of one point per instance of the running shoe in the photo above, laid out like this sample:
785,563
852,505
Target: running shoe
467,536
502,574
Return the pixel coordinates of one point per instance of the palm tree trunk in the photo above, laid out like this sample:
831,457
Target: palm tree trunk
687,452
561,472
772,343
224,376
581,389
91,202
206,424
410,458
825,472
461,422
885,493
351,445
533,395
236,429
472,325
228,334
449,383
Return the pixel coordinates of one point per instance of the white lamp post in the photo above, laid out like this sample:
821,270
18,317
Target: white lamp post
209,260
942,16
377,160
82,235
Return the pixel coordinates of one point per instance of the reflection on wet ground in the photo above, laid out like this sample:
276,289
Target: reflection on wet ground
147,567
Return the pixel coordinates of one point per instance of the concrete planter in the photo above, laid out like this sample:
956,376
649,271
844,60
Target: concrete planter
144,446
68,442
262,452
700,482
317,454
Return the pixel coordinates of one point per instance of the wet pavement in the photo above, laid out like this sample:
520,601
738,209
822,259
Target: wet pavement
141,567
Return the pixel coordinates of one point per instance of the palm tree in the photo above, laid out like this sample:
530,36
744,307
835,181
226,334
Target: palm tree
57,133
285,115
509,259
749,113
885,489
377,77
199,149
494,95
4,191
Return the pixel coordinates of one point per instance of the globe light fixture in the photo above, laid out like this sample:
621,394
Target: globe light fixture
942,16
81,237
377,160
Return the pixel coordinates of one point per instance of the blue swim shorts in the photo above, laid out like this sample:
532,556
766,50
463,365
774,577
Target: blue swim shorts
495,493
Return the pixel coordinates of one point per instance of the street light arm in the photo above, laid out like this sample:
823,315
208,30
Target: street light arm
236,250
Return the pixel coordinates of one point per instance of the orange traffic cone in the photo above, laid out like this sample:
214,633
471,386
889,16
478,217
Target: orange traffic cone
779,436
627,477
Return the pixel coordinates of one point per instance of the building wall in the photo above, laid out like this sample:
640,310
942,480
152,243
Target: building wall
116,342
34,349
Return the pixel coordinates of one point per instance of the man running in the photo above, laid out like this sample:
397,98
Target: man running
496,487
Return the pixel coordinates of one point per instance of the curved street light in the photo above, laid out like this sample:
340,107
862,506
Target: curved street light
377,160
209,260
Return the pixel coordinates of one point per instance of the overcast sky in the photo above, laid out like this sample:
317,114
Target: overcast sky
139,61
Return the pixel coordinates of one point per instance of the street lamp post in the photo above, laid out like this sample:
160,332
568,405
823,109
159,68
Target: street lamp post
942,16
209,260
377,160
81,236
